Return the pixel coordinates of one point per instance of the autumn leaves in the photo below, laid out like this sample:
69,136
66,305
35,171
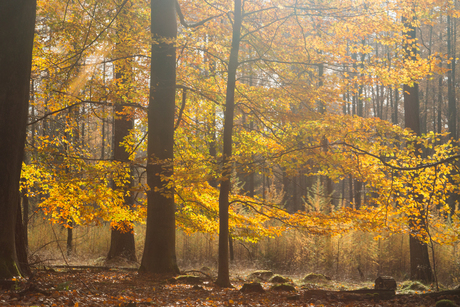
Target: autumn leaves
234,93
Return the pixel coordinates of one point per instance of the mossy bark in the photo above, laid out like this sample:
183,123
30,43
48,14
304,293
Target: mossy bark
8,266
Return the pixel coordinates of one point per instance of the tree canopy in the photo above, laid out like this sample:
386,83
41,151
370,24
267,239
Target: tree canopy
311,88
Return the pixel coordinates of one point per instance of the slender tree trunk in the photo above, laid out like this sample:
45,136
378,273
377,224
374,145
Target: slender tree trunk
69,238
230,246
17,21
325,180
122,243
212,145
21,243
68,137
424,117
223,275
396,107
419,259
451,99
454,198
160,239
439,108
25,198
359,110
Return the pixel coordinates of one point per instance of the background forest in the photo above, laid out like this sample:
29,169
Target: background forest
303,136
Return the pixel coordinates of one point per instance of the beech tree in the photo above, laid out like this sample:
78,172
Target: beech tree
122,234
420,268
223,278
17,21
160,239
280,42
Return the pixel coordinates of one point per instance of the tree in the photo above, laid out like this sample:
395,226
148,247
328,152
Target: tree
420,268
122,236
17,21
159,250
223,277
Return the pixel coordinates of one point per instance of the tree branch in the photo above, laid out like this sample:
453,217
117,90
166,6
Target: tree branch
194,25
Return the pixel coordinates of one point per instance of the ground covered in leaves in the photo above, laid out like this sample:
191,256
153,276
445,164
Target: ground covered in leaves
102,287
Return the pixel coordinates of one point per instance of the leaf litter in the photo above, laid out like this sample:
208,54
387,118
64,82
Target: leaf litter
91,287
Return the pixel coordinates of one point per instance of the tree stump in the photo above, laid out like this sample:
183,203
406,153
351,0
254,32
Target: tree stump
385,283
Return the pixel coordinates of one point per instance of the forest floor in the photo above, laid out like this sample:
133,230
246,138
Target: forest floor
117,287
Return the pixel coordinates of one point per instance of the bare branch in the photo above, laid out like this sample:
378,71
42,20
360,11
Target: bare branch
194,25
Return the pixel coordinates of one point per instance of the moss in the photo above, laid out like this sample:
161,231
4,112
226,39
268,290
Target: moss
263,275
278,279
252,287
315,278
413,285
445,303
9,269
283,287
189,279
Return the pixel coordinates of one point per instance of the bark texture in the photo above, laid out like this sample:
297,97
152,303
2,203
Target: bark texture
160,240
17,22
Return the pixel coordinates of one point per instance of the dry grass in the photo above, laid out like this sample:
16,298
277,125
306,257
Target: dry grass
294,254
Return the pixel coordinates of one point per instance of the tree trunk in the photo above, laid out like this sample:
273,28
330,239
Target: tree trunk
419,259
360,112
160,239
69,238
230,246
122,244
21,243
223,275
451,99
454,198
438,119
17,21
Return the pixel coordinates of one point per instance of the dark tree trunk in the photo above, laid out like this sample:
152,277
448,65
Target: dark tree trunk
160,239
25,218
21,243
69,238
438,121
419,259
223,276
396,107
17,22
451,99
358,193
454,198
122,244
212,144
325,180
230,246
